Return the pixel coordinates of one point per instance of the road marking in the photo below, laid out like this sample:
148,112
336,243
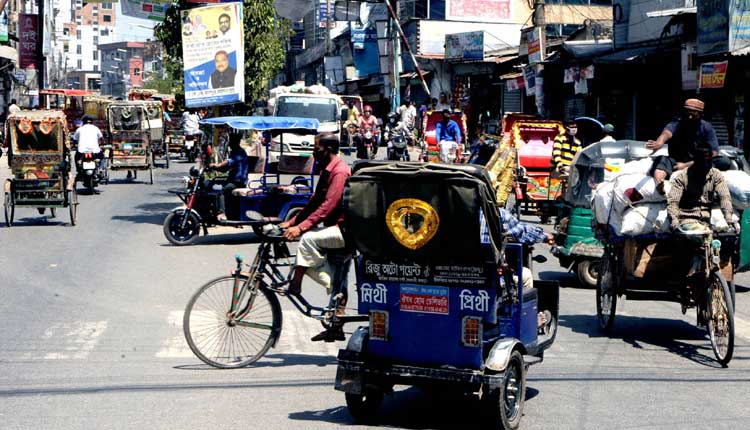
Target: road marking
79,339
175,345
296,333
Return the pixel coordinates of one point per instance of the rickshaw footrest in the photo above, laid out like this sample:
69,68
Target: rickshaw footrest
531,360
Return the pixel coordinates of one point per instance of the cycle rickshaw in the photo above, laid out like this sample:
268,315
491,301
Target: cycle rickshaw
693,266
130,138
268,195
39,159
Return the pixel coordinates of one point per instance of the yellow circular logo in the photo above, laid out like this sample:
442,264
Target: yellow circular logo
412,222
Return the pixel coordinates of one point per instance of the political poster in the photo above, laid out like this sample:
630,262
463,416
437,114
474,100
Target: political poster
213,55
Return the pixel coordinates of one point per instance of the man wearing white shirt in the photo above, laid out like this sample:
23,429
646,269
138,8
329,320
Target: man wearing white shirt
88,137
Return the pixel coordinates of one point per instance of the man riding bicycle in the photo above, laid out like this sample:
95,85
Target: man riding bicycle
323,208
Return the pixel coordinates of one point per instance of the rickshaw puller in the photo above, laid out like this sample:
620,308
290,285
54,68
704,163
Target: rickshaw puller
693,190
688,133
324,207
448,136
238,164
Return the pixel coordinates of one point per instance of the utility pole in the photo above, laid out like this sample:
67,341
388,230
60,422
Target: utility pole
396,53
40,49
540,24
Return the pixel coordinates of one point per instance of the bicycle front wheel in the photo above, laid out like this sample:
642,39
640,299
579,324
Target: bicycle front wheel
720,322
224,342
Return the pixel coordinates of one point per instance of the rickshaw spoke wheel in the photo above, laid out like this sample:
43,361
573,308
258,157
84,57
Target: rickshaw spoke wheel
606,294
224,342
720,322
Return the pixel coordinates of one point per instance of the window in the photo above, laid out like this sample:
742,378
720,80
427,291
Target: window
105,32
78,34
78,49
106,5
96,68
96,41
80,64
107,18
96,55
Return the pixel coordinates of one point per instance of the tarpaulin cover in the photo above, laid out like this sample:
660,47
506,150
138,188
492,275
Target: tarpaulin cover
265,123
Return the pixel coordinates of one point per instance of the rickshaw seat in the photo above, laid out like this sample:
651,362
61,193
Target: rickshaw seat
244,192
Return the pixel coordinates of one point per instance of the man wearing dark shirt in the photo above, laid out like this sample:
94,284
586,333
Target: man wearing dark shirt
687,135
324,207
223,76
238,164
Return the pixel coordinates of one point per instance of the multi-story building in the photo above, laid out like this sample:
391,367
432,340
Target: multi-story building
91,25
122,67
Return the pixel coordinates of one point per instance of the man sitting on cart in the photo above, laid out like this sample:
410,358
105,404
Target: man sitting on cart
448,135
693,191
323,208
687,134
238,165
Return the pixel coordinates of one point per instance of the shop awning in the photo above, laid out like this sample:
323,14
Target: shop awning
672,12
9,53
511,76
584,49
633,55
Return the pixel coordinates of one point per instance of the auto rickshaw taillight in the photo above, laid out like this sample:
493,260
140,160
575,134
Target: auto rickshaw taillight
471,331
379,325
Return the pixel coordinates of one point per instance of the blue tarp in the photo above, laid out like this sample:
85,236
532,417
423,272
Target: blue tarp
265,123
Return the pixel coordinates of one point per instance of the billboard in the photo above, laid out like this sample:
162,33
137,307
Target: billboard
739,27
465,46
713,26
713,75
28,38
213,55
153,10
478,10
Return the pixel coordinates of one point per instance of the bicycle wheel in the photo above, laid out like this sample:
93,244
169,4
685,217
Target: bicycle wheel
221,342
606,294
720,324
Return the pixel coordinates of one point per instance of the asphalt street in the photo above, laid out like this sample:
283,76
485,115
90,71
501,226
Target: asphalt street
91,338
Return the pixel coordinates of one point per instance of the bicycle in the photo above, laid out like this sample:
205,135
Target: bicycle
233,321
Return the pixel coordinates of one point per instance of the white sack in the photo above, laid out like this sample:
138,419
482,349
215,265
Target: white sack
638,166
645,219
644,184
739,188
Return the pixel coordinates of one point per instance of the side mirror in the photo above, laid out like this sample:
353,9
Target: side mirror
539,258
344,114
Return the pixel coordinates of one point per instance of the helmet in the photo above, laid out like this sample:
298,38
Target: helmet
87,119
368,108
392,117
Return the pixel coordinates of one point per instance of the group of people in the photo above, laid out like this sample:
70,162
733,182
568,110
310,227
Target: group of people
365,129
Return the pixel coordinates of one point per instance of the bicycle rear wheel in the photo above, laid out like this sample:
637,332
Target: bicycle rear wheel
222,342
720,322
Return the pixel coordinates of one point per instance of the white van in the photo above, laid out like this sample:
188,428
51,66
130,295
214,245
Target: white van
325,108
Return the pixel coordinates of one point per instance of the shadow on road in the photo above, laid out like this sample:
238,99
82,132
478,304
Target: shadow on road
241,237
36,220
274,360
147,213
413,408
668,334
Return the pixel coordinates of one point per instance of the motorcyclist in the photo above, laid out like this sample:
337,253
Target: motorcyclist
392,127
88,137
368,122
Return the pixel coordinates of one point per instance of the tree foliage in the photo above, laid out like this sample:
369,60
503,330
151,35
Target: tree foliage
265,41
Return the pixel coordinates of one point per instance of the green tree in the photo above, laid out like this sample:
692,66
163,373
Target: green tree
265,37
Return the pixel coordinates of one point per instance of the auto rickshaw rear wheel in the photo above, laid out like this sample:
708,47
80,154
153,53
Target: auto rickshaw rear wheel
588,272
364,406
72,206
503,406
174,232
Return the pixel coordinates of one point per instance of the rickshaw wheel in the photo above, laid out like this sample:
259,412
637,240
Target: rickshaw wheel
10,210
226,343
505,404
72,206
166,158
364,406
52,212
720,324
606,303
588,272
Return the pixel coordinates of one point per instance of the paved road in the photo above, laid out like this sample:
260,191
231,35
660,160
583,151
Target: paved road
91,338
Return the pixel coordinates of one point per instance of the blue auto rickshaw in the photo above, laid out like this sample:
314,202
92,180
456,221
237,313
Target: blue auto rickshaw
442,290
266,197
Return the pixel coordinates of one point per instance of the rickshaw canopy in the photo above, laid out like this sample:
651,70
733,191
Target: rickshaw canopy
266,123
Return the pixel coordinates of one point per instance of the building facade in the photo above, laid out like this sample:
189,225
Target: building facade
122,67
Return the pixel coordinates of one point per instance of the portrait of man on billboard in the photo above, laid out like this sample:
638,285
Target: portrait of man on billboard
223,76
225,22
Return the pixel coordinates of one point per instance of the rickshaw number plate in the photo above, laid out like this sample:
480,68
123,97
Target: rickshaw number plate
425,299
89,165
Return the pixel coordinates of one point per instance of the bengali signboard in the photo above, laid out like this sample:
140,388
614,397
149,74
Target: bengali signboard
478,10
28,38
713,75
535,46
213,55
465,46
713,26
153,10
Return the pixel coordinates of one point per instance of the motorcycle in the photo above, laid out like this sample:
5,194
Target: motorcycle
90,171
397,147
369,140
191,148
